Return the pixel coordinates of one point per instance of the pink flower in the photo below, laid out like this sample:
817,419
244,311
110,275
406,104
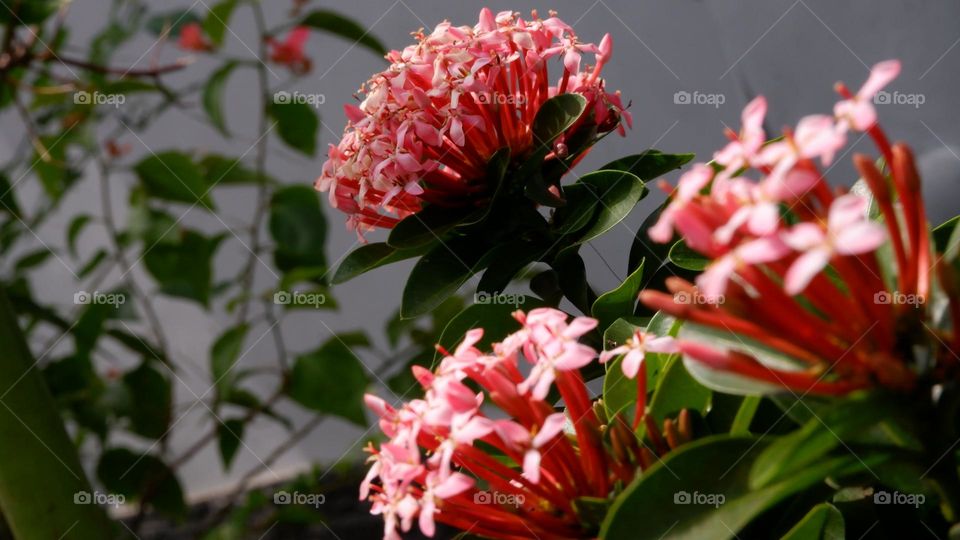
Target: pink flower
636,349
522,440
848,232
742,150
713,281
289,52
675,215
858,112
192,39
428,124
552,346
438,488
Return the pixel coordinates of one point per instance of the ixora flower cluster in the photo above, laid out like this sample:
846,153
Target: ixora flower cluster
537,465
811,275
429,123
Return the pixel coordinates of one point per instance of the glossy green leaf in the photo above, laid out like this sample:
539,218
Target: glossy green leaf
555,116
686,258
425,227
612,194
745,414
507,260
702,472
370,256
823,522
649,164
330,380
677,390
297,125
173,176
212,99
619,302
439,274
334,23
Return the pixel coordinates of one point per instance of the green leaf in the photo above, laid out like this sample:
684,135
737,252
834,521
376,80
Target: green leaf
32,259
227,170
823,522
339,25
425,227
297,125
555,116
8,199
439,274
130,474
815,439
507,260
686,258
152,398
171,22
748,408
619,302
330,380
946,238
174,177
708,468
677,390
495,318
184,268
218,20
298,228
224,353
229,437
370,256
598,201
213,96
649,164
74,229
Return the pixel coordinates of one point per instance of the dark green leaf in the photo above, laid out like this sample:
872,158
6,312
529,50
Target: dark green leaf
298,228
74,229
334,23
555,116
330,380
823,522
649,164
173,176
370,256
218,20
600,200
226,170
184,268
229,437
125,472
619,302
424,227
8,199
677,390
297,125
686,258
439,274
150,408
32,259
213,96
224,354
507,260
748,407
171,22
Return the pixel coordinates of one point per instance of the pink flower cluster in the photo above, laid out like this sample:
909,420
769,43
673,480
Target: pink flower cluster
429,123
772,240
439,446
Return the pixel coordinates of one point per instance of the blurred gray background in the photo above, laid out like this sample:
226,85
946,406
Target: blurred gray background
792,51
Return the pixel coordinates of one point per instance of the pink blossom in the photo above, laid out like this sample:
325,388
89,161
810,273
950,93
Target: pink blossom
636,349
742,150
713,281
690,185
289,52
521,439
848,232
858,112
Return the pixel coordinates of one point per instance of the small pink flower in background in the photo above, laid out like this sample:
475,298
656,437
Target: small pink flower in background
446,458
192,38
858,112
636,348
289,52
428,125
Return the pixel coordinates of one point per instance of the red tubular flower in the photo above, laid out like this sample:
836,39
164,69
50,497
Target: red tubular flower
810,288
518,470
192,39
429,123
289,52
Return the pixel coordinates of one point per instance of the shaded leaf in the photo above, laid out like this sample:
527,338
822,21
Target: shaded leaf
330,380
334,23
123,471
213,96
173,176
297,125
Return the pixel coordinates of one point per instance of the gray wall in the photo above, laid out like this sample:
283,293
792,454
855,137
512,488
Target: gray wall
792,51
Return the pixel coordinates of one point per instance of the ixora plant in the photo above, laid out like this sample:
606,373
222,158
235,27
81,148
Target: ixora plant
782,362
